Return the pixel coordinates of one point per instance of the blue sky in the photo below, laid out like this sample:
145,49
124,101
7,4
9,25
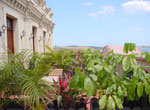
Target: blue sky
100,22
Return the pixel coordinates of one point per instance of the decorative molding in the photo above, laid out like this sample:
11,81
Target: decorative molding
35,10
27,12
15,4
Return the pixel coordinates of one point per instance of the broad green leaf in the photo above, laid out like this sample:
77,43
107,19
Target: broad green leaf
133,56
149,98
120,91
81,80
147,57
98,67
131,94
126,47
131,89
147,88
133,62
118,76
134,83
126,82
140,89
124,88
78,70
102,73
110,103
126,63
93,76
105,81
114,78
91,69
74,81
118,102
108,90
107,69
113,87
119,59
102,102
132,46
89,87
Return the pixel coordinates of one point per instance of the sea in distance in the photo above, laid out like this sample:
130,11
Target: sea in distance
145,49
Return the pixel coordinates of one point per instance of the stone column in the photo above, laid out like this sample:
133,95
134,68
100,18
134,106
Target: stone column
51,40
28,29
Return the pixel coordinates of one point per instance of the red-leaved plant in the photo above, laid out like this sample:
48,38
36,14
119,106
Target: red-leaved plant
65,95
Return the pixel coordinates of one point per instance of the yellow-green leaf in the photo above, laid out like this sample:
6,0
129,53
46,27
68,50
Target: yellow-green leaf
102,102
147,88
126,63
118,102
140,89
110,103
120,91
89,87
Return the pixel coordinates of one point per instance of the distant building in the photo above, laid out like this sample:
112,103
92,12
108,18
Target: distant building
25,24
118,50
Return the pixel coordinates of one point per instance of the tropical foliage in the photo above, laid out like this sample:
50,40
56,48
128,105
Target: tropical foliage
112,78
18,80
66,96
100,76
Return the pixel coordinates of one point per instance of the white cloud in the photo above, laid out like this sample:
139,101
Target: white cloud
105,10
88,3
137,6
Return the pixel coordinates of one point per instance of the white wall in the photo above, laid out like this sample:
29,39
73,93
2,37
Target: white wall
20,24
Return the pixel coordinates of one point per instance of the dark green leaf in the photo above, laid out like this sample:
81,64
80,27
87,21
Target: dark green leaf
149,98
147,57
74,81
81,80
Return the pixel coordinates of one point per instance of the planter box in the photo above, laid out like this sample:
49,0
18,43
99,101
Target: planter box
53,75
56,72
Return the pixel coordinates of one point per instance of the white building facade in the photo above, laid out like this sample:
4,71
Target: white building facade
25,24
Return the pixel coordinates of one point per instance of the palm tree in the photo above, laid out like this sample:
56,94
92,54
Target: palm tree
17,78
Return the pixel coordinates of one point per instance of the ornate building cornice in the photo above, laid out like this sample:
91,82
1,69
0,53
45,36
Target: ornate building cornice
15,4
35,10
